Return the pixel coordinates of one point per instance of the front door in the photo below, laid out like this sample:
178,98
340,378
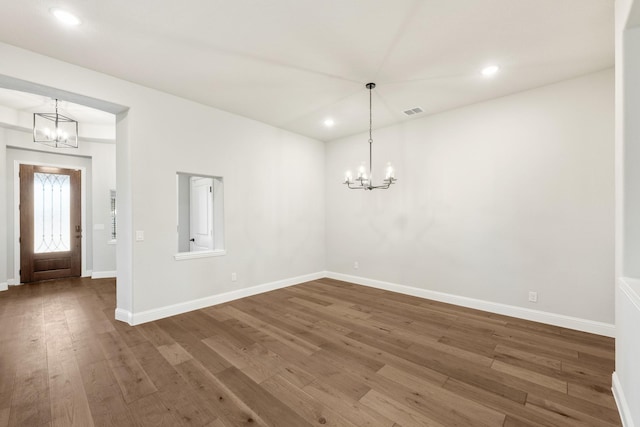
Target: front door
50,231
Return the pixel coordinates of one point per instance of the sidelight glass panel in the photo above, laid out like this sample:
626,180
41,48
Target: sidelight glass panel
51,212
113,215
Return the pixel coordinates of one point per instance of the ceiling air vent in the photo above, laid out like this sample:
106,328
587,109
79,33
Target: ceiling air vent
412,111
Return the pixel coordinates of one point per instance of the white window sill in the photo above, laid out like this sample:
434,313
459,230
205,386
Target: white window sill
199,254
111,242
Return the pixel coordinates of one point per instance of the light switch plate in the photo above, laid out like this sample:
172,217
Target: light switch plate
139,235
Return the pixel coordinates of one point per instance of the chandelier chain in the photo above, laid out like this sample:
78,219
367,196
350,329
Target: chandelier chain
370,132
57,115
370,117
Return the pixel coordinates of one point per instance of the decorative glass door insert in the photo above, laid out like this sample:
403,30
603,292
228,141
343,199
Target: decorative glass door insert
51,212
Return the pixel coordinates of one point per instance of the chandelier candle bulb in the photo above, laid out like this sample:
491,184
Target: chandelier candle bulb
390,172
348,177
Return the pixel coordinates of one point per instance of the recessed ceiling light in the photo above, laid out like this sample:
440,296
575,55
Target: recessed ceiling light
65,17
490,71
329,123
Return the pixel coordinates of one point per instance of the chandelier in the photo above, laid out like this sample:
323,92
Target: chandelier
55,130
364,179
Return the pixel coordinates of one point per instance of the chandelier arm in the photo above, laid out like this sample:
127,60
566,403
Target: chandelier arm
358,187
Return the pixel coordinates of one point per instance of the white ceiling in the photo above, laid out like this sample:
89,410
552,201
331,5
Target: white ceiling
293,63
23,102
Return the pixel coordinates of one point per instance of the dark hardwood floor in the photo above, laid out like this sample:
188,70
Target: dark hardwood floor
323,353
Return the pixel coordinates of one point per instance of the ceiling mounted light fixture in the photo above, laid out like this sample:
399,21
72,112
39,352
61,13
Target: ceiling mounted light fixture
490,71
364,181
67,18
55,130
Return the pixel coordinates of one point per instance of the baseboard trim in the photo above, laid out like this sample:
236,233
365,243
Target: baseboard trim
10,282
184,307
623,405
561,320
123,315
103,274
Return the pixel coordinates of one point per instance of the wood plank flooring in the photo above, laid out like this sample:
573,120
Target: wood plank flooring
324,353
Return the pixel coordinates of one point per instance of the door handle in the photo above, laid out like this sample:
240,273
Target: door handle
192,239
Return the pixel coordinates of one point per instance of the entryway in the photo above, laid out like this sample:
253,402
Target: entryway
50,223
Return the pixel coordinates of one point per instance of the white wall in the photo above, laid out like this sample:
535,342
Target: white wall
103,166
626,379
4,243
274,181
492,200
274,205
631,155
184,210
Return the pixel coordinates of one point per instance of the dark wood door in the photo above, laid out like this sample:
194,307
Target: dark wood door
50,231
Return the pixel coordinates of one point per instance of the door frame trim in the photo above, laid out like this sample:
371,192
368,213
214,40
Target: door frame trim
16,213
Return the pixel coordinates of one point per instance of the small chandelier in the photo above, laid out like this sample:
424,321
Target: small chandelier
55,130
364,181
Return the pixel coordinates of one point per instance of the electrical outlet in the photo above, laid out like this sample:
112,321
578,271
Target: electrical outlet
533,296
234,277
356,265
